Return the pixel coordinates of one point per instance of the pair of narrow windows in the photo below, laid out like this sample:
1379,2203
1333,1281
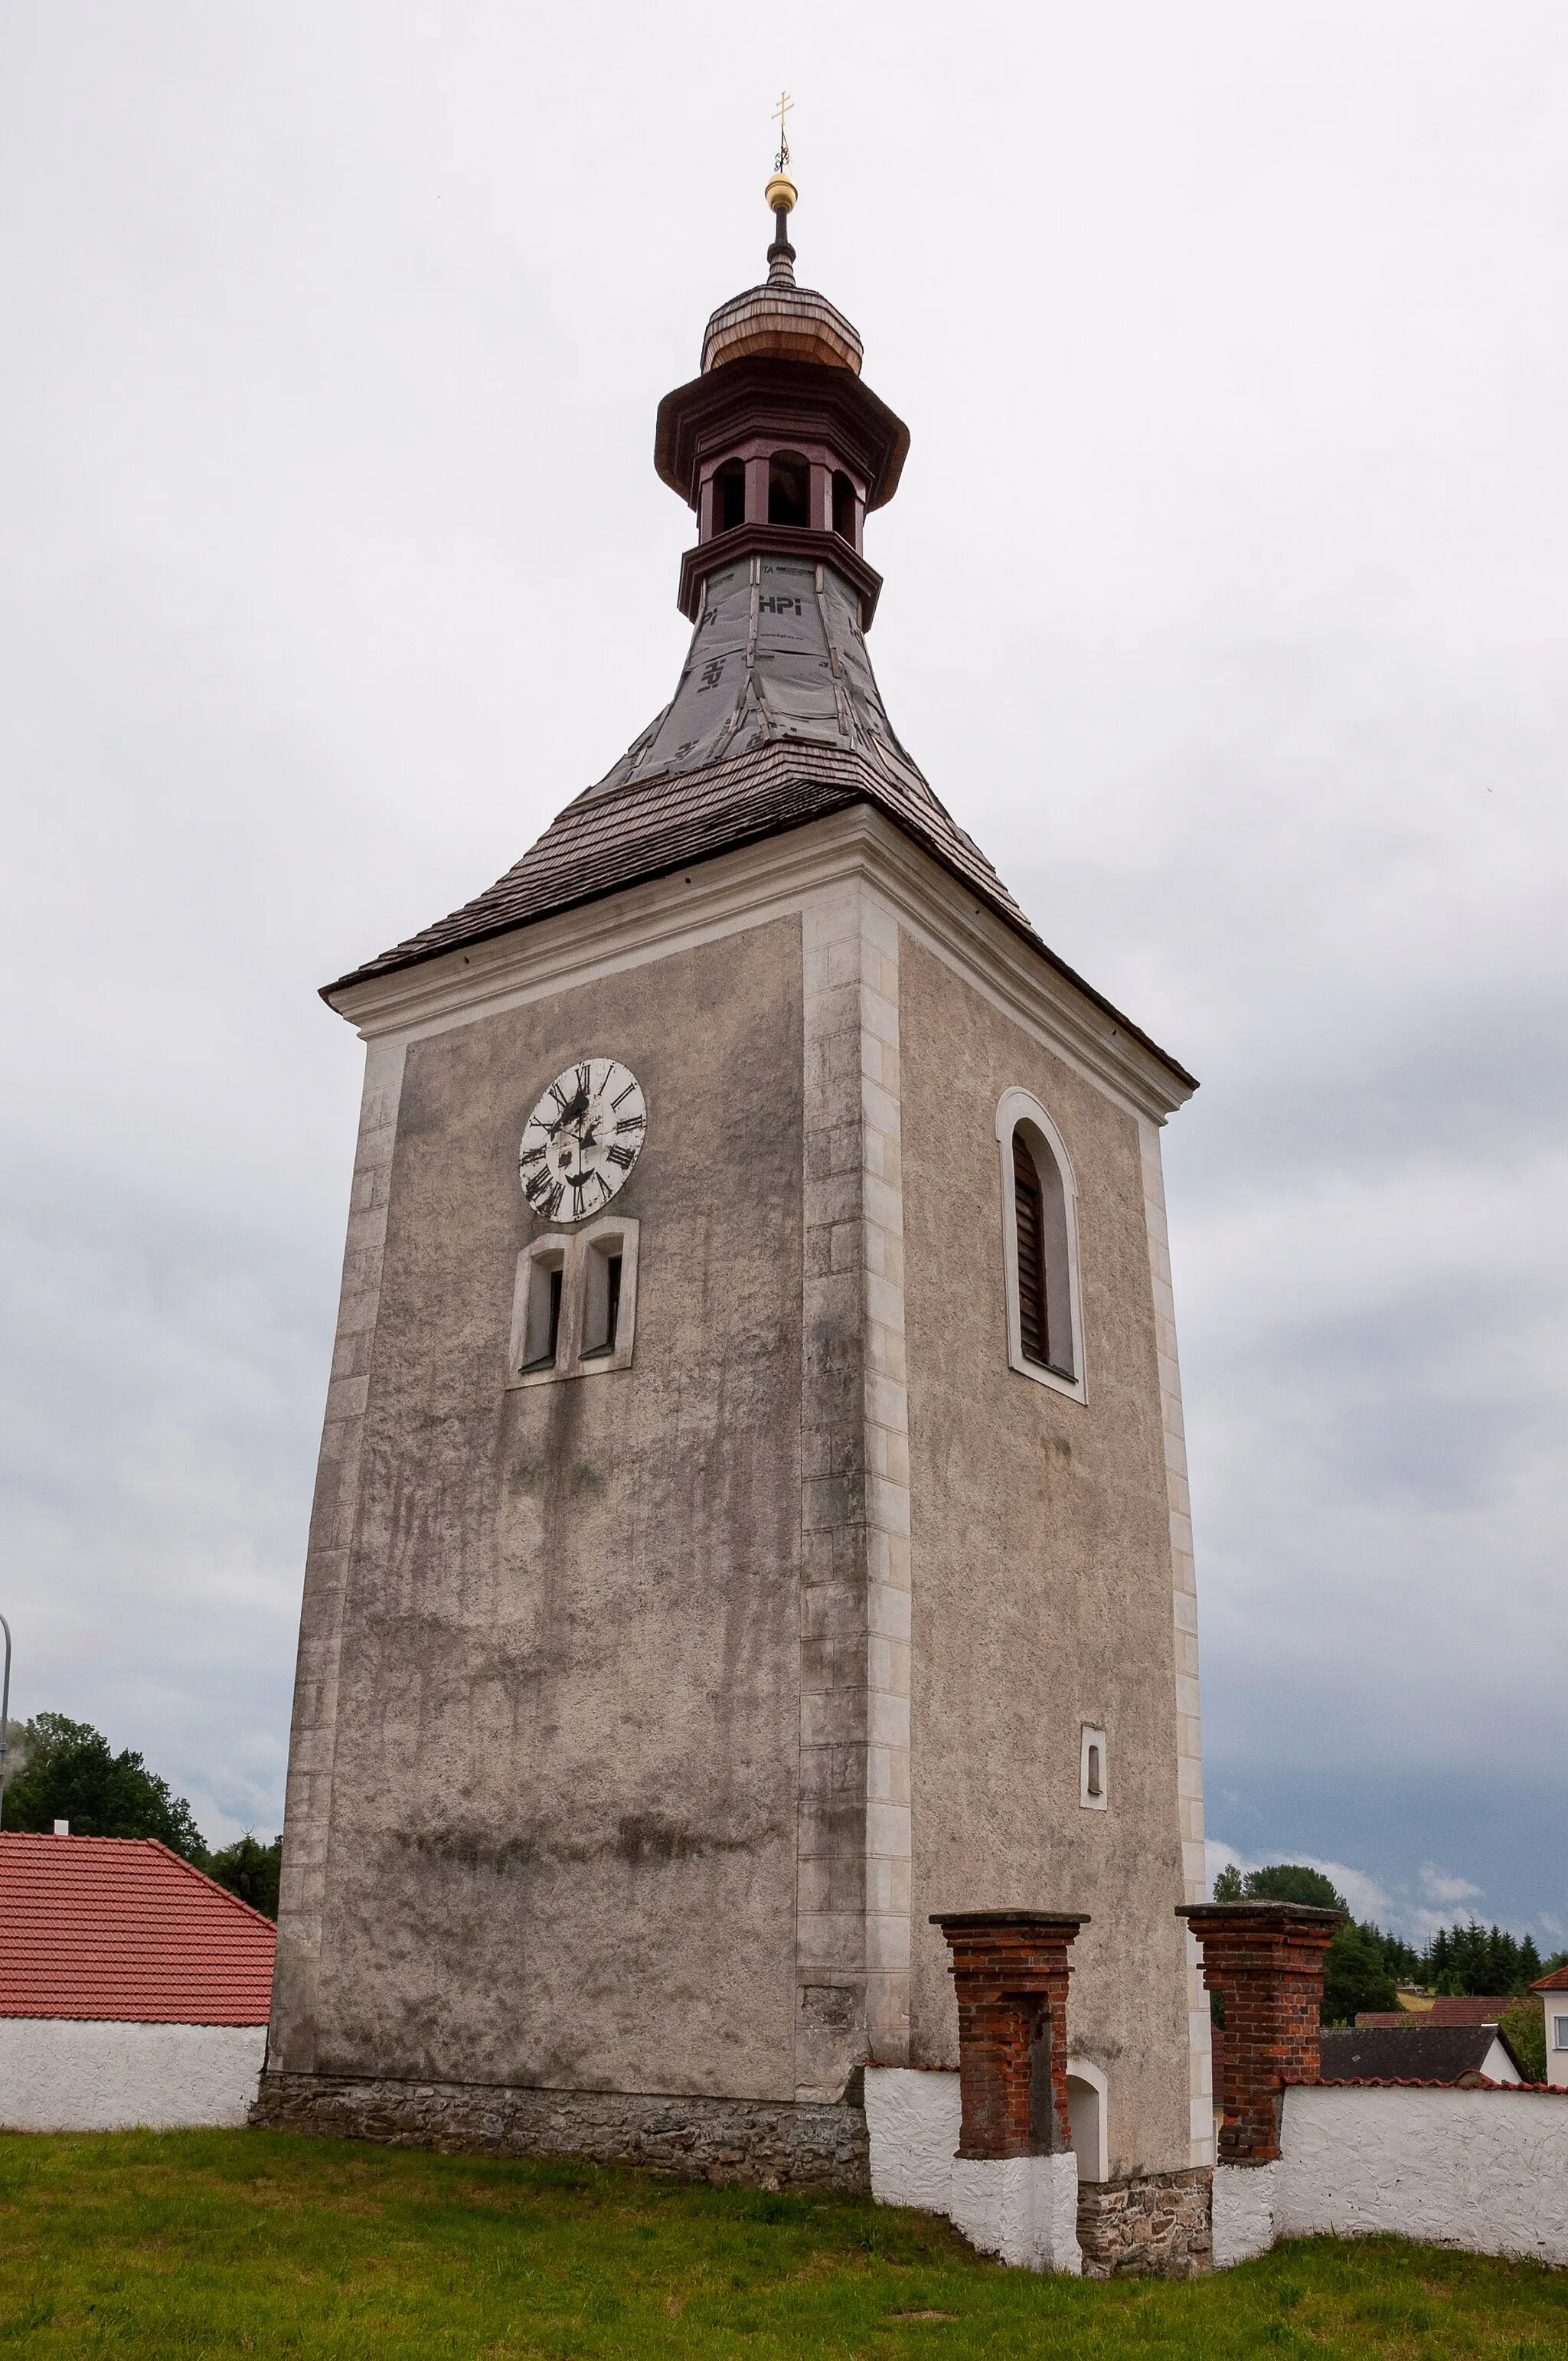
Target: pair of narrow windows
573,1303
542,1342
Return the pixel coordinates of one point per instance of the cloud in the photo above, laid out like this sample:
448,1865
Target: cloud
1226,603
1440,1887
1365,1897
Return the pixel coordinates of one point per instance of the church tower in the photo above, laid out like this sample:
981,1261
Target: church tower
752,1515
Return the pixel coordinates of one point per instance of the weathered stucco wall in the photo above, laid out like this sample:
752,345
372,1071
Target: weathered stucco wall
1040,1540
77,2074
562,1824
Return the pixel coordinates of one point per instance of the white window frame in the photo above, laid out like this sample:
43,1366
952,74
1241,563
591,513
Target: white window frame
1015,1107
575,1248
1560,2033
1089,1736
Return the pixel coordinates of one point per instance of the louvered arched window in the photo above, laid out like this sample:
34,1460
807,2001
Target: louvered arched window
1040,1224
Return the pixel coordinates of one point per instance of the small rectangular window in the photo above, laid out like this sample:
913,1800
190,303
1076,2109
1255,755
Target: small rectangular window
1560,2033
541,1335
601,1308
1092,1782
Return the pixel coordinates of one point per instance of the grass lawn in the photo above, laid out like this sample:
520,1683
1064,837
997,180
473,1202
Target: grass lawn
197,2242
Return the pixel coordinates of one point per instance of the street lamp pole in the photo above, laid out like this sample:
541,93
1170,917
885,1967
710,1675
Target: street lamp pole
5,1715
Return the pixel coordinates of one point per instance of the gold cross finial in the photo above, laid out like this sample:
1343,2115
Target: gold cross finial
781,163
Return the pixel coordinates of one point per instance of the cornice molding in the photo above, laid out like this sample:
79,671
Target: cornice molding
804,541
805,392
749,887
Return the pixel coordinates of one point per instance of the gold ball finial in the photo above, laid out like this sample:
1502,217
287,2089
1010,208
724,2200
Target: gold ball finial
781,193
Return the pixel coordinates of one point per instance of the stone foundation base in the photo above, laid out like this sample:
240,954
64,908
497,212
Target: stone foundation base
743,2143
1154,2227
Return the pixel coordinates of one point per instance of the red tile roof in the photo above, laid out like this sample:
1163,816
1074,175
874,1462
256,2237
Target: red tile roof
1412,2082
1556,1981
1466,2009
109,1926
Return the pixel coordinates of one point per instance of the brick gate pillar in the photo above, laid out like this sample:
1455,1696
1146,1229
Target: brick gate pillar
1266,1960
1010,1968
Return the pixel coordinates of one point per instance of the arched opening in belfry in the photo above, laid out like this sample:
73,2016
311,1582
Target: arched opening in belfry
843,507
789,488
729,496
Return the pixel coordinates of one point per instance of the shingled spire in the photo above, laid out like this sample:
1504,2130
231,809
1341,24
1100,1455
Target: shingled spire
781,451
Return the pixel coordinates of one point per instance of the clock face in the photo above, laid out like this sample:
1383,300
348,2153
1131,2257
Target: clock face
582,1140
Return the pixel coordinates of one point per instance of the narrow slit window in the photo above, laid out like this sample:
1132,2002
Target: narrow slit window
1092,1781
1034,1311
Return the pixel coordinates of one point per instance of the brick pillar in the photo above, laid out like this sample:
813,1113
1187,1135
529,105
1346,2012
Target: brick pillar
1266,1960
1011,1970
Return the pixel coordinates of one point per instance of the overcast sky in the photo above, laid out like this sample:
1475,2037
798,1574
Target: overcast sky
1226,604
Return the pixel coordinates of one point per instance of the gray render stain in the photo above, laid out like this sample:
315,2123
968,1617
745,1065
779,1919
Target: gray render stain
642,1839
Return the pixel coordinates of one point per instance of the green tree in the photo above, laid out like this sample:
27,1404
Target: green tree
1356,1975
1480,1960
1360,1963
1290,1881
68,1771
250,1869
1525,2025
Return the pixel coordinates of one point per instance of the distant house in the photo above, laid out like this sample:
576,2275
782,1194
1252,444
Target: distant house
132,1989
1420,2009
1458,2055
1553,1990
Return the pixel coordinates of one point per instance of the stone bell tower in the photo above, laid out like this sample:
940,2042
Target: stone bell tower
752,1515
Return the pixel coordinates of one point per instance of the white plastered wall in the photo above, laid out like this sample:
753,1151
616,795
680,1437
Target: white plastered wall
1022,2209
1483,2171
76,2074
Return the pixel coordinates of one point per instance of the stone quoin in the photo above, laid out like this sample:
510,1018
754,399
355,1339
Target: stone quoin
752,1515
